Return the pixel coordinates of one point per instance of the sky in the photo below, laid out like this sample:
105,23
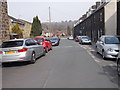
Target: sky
61,10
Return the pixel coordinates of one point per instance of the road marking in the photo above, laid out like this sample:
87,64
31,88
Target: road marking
88,50
66,47
101,62
93,57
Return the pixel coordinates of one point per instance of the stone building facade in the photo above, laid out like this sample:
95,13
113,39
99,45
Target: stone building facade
103,21
25,26
4,23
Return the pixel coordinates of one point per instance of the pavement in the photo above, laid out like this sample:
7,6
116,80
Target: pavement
69,65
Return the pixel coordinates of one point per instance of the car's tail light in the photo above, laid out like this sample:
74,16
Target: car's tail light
23,50
0,52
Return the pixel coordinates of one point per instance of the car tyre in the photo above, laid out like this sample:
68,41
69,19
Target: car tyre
103,55
118,67
33,58
44,52
51,48
97,50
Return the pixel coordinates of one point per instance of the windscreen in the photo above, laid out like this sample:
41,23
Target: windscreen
39,40
112,40
85,38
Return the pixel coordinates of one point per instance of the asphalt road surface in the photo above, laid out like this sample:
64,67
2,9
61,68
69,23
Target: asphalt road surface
66,66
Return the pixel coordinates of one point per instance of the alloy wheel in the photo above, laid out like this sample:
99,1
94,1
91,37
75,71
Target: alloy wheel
33,59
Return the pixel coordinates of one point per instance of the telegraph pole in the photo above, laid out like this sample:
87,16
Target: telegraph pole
50,22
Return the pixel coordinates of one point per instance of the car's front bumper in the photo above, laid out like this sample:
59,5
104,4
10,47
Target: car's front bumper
55,43
111,54
86,42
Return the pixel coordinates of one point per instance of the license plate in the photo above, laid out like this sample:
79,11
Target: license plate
10,52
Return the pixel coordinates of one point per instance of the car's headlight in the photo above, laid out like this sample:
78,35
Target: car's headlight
110,49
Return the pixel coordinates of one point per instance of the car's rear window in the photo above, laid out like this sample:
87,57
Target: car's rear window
9,44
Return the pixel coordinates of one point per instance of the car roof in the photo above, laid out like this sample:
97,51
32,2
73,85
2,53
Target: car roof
39,37
17,39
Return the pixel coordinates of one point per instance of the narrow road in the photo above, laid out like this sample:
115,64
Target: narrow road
66,66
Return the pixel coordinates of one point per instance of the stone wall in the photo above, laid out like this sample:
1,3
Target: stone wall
4,24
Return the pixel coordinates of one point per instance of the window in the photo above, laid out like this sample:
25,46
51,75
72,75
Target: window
112,40
32,42
12,44
39,40
101,16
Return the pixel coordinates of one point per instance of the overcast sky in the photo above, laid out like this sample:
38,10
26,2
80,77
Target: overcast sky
61,10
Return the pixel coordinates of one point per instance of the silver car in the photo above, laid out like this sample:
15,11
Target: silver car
118,64
20,50
108,46
84,40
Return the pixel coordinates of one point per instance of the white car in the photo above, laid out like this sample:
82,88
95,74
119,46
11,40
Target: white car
84,40
70,38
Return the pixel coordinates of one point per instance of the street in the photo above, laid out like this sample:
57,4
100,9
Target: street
69,65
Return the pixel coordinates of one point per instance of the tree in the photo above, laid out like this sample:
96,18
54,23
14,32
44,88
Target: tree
36,29
16,29
68,30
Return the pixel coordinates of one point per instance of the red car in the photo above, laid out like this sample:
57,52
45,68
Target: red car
45,42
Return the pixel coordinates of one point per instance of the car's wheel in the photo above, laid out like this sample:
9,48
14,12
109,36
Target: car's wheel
33,58
103,55
44,52
97,50
51,48
81,43
118,67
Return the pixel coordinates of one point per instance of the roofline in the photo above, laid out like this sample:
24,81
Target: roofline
25,21
20,20
17,39
15,18
100,7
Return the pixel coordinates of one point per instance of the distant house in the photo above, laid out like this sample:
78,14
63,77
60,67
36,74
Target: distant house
27,28
24,26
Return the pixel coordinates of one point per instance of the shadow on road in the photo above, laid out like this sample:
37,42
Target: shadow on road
18,64
14,64
112,74
99,56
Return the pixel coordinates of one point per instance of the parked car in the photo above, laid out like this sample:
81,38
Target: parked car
77,38
108,46
70,38
20,50
50,43
118,64
84,40
55,41
42,40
